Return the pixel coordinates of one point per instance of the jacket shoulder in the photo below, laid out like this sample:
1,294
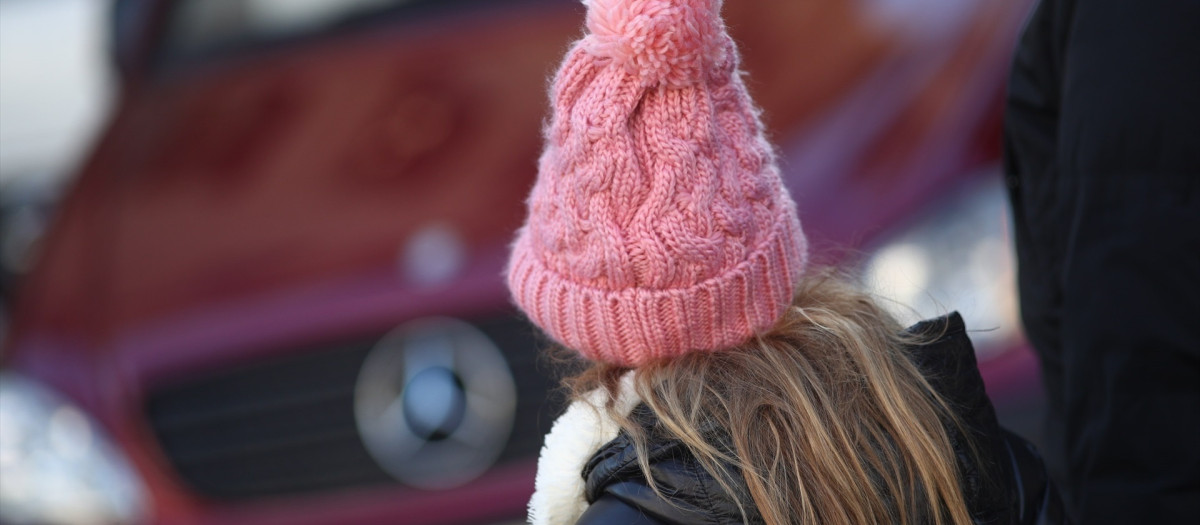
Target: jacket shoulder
615,478
945,356
1004,479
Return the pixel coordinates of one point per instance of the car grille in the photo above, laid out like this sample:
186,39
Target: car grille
287,425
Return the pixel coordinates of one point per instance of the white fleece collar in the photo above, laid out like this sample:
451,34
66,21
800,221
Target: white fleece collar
558,497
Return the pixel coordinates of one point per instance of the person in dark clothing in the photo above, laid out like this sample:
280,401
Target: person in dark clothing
1102,159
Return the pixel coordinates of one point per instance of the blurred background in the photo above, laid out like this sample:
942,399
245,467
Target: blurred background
250,250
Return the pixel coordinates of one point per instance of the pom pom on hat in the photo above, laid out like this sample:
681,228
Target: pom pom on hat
658,224
672,42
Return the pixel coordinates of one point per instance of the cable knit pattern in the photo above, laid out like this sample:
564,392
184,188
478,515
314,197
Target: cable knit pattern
658,224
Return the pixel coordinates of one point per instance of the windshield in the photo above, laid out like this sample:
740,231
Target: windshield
205,27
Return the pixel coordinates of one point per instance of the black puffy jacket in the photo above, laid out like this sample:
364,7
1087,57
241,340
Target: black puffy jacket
1008,485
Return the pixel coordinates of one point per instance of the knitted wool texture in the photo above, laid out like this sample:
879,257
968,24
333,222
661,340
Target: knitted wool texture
658,224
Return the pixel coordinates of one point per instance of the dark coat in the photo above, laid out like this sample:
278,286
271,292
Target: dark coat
1008,486
1102,161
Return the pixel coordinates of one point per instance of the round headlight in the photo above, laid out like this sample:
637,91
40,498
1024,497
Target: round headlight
57,466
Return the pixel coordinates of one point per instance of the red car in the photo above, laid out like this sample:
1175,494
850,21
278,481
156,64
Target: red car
273,294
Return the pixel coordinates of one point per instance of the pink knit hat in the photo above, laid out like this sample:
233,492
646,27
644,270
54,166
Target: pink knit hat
658,224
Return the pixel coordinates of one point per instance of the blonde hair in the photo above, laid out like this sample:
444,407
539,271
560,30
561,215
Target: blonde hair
828,421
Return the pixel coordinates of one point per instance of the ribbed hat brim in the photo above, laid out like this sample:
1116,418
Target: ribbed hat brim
634,326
